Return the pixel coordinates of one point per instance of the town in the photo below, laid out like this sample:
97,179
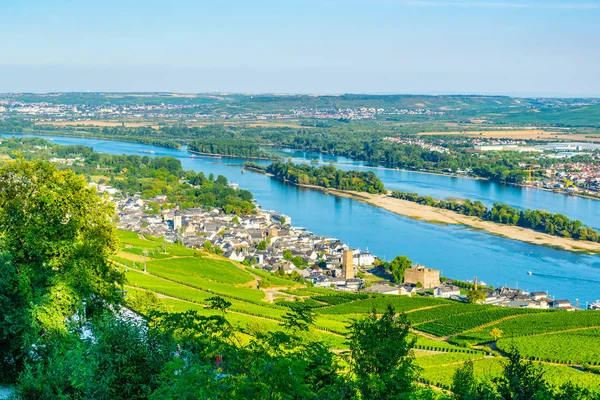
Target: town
268,241
46,111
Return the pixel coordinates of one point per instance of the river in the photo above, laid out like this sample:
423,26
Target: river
457,251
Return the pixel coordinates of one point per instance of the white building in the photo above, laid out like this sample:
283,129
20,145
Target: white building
363,259
446,291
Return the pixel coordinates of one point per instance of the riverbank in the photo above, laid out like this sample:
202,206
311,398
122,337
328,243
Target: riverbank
558,191
91,135
441,216
231,156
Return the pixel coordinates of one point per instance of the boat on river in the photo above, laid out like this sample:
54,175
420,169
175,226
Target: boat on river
206,155
147,151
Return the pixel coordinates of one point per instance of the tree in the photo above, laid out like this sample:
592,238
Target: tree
297,261
287,255
298,319
381,359
397,267
464,383
262,245
221,180
219,303
465,386
144,302
496,333
476,296
521,380
57,235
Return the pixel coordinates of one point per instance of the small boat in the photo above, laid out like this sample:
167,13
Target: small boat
193,156
529,273
243,171
204,155
147,151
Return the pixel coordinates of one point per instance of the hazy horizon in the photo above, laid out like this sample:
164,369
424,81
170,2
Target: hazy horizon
529,48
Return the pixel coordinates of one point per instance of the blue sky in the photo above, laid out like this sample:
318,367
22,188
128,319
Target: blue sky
528,47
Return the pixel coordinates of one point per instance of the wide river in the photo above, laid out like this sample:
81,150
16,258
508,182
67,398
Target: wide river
457,251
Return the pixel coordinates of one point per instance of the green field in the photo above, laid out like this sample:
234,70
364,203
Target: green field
203,268
535,324
447,333
575,347
441,374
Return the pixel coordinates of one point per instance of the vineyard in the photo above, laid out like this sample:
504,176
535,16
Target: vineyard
446,333
575,347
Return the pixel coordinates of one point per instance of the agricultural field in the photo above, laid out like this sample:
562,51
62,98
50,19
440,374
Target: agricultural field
573,347
455,324
447,334
486,368
533,324
380,304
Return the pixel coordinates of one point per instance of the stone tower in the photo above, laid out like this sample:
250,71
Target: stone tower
177,222
348,264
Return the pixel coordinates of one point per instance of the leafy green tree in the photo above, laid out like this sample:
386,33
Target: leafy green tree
297,261
382,363
219,303
397,267
262,245
287,255
476,296
57,236
299,318
521,380
221,180
465,386
144,302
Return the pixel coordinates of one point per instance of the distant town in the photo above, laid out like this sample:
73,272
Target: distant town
569,176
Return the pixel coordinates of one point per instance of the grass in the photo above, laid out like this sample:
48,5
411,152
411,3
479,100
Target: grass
456,324
205,268
432,360
184,280
380,304
532,324
272,279
577,347
487,368
249,323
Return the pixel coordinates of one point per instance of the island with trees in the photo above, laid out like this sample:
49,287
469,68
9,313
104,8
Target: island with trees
230,148
327,177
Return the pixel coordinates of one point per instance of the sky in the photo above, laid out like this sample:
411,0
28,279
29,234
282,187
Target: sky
514,47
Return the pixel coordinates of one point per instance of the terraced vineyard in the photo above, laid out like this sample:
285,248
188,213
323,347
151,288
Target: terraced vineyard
573,347
447,333
486,368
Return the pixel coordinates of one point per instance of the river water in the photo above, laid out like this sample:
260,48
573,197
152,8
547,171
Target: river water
457,251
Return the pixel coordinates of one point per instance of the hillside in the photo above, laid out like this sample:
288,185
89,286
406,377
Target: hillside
448,333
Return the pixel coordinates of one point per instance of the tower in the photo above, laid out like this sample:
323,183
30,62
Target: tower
348,264
475,281
177,222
